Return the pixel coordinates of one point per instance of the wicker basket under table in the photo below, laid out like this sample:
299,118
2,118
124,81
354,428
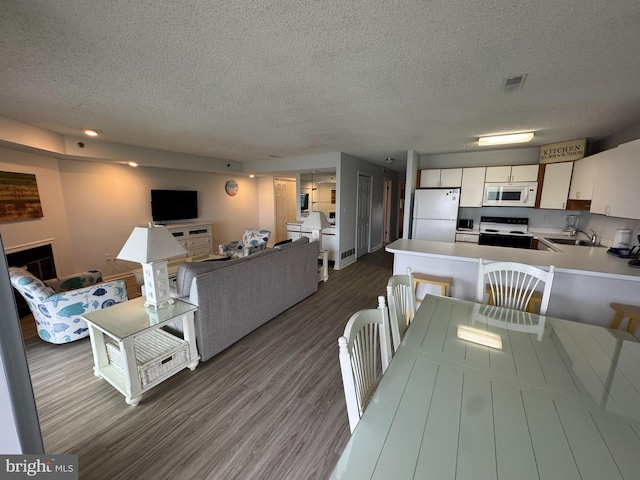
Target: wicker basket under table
157,353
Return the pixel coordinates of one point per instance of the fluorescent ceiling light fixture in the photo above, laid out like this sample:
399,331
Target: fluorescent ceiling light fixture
504,139
482,337
91,132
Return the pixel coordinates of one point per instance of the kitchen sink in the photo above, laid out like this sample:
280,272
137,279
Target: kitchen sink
572,241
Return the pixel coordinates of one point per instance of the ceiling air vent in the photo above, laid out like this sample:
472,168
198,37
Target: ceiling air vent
513,84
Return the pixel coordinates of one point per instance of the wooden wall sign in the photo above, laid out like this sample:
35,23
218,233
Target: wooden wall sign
563,151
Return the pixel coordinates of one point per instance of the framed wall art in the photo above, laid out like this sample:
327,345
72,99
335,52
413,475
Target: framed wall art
19,197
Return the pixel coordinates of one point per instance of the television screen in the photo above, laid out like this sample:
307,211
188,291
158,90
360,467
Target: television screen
173,205
304,201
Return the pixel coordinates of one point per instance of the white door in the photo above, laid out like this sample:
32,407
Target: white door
364,215
285,206
436,230
386,213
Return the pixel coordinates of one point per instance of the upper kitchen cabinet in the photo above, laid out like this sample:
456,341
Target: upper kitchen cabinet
515,173
616,191
555,186
472,186
582,182
441,177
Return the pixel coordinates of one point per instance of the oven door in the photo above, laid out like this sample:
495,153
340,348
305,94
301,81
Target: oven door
513,241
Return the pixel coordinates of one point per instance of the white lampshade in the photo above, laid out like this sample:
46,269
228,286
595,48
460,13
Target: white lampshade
316,221
150,244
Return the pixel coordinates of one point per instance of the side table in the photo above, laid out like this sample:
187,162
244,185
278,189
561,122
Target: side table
132,353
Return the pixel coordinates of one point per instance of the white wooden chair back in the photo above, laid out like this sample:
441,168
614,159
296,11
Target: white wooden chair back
402,306
512,284
365,352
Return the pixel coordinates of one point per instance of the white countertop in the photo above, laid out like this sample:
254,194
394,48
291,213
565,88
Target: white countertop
580,260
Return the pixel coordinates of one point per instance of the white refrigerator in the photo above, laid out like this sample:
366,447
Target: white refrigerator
435,214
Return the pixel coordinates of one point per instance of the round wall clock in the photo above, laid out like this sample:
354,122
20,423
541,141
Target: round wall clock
231,187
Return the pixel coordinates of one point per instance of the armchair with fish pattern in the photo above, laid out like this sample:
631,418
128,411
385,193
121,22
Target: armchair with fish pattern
57,305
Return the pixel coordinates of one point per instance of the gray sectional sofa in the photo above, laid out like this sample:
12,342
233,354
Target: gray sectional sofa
235,297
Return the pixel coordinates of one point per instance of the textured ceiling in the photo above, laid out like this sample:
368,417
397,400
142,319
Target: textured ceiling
245,79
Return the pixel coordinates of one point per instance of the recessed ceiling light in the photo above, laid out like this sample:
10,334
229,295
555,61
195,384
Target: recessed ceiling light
91,132
132,164
251,176
504,139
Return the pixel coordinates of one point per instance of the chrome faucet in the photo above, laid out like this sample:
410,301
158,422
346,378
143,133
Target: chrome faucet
593,236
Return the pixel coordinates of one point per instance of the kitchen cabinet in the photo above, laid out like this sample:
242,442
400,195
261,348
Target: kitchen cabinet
616,191
467,237
515,173
583,179
441,177
329,237
555,186
472,189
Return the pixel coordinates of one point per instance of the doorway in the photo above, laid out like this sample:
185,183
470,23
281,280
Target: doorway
386,211
363,220
285,192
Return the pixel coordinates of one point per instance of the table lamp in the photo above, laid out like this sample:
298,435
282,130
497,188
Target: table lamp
152,246
315,222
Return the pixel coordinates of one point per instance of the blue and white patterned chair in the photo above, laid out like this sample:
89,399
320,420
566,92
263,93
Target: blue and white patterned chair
253,241
57,304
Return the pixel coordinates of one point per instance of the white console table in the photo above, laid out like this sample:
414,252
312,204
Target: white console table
196,238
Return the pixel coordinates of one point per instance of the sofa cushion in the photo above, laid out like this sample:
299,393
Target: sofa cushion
283,242
187,271
298,242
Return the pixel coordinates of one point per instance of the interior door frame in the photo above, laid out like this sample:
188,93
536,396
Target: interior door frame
360,251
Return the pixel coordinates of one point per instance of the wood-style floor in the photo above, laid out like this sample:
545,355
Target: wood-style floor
269,407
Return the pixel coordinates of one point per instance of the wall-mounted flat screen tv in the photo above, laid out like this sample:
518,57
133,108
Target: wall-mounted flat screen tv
304,202
169,205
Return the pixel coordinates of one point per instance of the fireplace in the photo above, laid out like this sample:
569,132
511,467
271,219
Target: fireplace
39,261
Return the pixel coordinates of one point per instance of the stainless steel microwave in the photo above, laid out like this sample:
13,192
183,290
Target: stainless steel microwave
517,194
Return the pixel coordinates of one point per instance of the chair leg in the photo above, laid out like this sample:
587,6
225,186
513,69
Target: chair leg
633,325
615,323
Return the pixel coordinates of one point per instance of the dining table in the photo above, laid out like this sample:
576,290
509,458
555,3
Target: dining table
549,399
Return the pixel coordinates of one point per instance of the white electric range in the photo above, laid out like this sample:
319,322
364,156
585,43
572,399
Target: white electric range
505,232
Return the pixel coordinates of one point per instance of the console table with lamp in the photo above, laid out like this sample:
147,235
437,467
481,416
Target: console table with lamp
130,349
316,221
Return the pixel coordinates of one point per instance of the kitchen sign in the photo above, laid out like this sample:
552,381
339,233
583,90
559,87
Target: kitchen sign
563,151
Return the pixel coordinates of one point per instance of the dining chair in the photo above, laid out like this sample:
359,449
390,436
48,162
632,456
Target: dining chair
365,352
402,305
513,285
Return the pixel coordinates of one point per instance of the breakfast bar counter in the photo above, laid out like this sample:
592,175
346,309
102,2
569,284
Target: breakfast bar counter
587,279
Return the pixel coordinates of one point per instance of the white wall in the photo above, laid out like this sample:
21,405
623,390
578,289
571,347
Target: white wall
347,177
90,208
105,201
